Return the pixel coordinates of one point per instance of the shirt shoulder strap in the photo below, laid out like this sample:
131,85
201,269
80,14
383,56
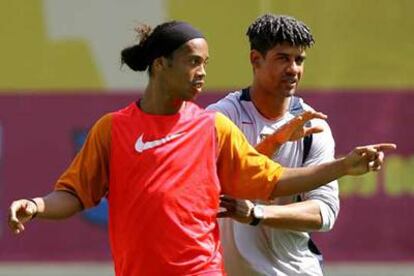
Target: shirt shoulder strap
296,108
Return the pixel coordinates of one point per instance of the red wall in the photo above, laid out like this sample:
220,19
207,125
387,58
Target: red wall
37,144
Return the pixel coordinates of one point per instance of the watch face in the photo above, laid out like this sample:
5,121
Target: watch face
258,211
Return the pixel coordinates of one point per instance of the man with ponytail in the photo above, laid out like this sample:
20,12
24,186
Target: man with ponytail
162,162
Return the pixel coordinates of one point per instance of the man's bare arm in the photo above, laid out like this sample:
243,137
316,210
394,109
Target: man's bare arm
360,161
300,216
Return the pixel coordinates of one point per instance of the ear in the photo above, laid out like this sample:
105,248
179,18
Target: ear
255,58
157,64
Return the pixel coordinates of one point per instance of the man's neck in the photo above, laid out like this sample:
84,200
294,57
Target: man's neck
269,106
157,101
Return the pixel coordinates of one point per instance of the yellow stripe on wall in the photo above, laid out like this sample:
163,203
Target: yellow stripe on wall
359,44
31,61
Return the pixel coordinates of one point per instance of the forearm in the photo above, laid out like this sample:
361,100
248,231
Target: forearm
301,216
57,205
298,180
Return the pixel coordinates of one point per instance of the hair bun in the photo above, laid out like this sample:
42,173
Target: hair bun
135,58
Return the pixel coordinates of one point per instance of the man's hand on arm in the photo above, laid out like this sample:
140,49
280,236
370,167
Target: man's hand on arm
360,161
238,209
293,130
56,205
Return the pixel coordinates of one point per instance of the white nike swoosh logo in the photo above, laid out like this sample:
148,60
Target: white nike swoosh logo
140,145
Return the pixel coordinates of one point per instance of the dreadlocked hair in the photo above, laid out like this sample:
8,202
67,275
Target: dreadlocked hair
269,30
136,56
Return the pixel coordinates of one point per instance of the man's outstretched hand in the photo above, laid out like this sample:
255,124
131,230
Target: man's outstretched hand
293,130
366,158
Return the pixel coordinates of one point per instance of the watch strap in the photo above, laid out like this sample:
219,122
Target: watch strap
255,221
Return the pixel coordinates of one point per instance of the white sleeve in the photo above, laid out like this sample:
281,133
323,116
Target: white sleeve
229,107
327,196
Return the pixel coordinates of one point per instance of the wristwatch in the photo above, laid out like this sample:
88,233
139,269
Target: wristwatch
257,214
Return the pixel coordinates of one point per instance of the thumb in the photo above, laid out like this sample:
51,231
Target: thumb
30,209
313,130
13,211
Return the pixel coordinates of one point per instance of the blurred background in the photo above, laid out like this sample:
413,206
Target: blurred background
60,71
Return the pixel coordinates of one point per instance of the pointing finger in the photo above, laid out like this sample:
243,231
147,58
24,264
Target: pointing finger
385,146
